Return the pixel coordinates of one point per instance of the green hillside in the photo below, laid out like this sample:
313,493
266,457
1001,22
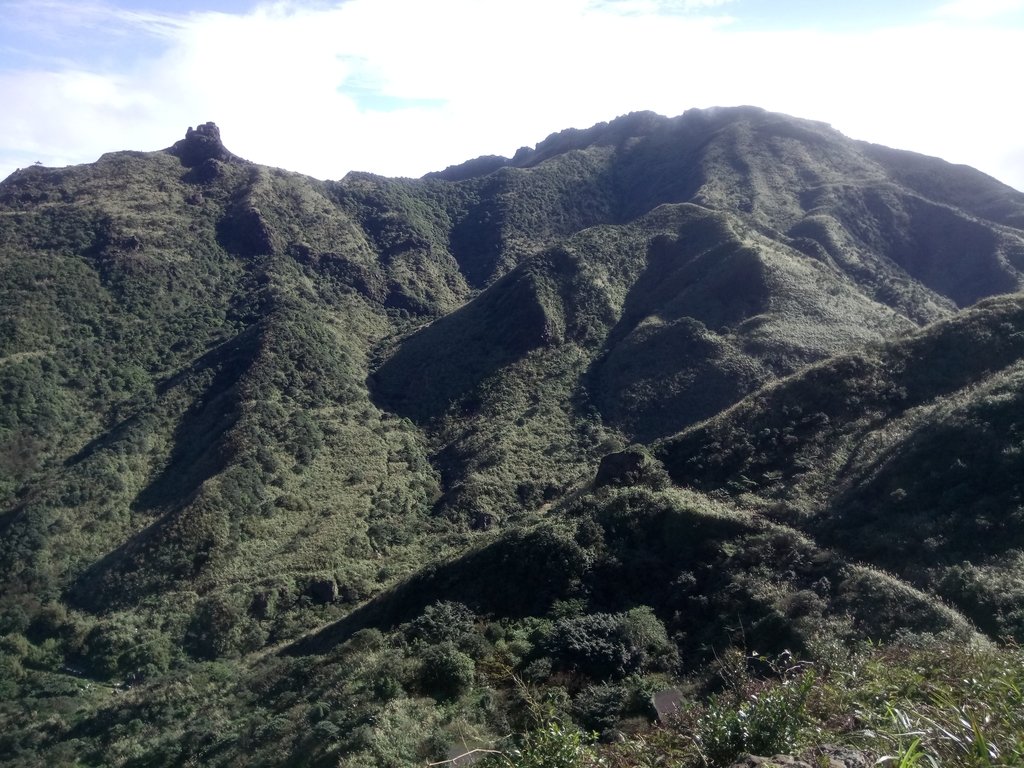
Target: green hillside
906,456
353,472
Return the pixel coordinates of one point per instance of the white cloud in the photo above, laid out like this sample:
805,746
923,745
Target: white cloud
74,23
975,10
633,7
470,78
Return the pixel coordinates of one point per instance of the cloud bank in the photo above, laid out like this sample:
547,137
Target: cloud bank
400,87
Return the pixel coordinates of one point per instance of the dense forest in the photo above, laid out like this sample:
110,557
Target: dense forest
667,442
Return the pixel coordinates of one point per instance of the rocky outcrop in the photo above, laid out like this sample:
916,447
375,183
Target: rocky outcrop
830,756
200,144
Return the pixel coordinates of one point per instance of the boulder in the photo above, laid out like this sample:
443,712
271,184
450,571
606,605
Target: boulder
778,761
666,703
825,756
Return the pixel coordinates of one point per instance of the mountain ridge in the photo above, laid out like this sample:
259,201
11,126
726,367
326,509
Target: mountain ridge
255,424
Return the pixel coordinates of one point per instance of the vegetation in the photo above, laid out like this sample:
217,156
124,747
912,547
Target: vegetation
385,471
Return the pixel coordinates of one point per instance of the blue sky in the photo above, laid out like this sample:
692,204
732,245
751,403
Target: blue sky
402,87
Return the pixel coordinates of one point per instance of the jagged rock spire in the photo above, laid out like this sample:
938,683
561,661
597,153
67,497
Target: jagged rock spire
200,144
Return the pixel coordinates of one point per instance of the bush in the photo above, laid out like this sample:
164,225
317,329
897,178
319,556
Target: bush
216,630
442,622
648,636
612,645
552,746
447,673
11,672
600,706
765,724
594,643
121,648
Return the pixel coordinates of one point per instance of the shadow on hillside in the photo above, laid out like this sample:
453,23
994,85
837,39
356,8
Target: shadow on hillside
173,547
956,256
196,455
666,343
445,363
521,574
208,361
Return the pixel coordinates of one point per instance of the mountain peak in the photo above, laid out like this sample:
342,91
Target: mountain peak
617,132
200,144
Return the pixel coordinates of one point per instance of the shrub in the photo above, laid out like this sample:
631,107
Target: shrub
447,673
600,706
216,628
552,746
648,636
116,647
11,672
594,643
611,645
441,622
767,723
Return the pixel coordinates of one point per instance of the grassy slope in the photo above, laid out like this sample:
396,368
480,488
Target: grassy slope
905,456
712,253
198,418
215,419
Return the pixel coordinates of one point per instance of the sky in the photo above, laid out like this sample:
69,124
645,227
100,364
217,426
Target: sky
403,87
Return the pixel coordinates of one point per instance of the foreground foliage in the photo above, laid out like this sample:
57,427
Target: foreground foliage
927,702
902,705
